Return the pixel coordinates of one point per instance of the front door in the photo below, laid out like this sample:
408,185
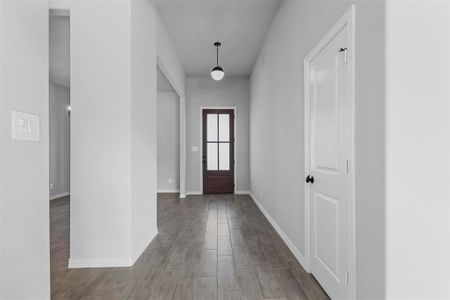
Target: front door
218,151
329,154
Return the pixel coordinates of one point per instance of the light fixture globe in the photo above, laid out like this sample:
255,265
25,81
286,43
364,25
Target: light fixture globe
217,73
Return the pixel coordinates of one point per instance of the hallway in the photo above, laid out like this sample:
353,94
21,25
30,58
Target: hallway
208,247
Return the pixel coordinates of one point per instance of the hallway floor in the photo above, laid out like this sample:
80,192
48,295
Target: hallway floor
208,247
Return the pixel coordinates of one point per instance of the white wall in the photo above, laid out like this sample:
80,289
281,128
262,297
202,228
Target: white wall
110,95
59,140
168,141
113,149
417,150
24,205
205,92
113,100
168,60
277,126
169,63
100,133
143,125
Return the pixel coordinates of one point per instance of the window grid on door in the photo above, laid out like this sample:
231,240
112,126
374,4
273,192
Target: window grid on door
218,142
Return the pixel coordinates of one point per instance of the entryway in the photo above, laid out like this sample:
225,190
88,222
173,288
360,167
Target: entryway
59,146
59,104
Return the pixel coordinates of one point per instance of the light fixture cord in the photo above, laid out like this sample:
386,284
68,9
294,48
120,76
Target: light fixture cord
217,56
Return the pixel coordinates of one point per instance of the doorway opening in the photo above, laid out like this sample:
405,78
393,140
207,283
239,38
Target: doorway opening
59,141
168,141
218,150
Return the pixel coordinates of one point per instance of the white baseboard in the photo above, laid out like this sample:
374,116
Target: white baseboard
138,253
242,192
194,193
167,191
109,263
182,196
298,255
99,263
59,196
200,193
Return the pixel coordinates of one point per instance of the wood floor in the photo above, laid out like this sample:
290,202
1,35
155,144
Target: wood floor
208,247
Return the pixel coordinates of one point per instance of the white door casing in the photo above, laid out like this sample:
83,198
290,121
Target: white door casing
329,113
182,113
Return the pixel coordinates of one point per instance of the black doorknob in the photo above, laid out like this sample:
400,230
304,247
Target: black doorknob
310,179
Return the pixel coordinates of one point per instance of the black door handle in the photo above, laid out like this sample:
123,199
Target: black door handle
310,179
204,159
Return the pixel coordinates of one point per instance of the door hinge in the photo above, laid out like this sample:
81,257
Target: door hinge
347,277
347,166
345,50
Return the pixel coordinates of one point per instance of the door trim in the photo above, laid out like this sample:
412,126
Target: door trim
234,108
347,19
182,119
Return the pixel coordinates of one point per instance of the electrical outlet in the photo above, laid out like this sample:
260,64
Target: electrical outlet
51,186
170,180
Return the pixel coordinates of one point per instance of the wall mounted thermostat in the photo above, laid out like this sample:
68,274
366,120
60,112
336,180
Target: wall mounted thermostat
25,126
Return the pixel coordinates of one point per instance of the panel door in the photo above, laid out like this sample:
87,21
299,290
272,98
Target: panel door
330,137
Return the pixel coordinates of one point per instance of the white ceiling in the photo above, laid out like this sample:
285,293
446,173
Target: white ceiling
163,85
194,26
59,51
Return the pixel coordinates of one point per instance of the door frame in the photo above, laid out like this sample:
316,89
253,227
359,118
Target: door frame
234,108
347,19
182,119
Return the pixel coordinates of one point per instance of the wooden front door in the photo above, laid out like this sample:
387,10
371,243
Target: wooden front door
218,151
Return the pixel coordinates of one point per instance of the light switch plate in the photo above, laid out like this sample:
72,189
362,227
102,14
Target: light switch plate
25,126
194,149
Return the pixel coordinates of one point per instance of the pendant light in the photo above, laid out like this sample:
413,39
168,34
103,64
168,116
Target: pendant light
217,72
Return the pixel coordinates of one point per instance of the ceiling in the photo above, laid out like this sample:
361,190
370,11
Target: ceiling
163,85
59,51
194,26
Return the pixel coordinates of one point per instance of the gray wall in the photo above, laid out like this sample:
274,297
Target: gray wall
417,150
24,207
59,52
59,140
168,142
277,120
202,92
100,133
143,125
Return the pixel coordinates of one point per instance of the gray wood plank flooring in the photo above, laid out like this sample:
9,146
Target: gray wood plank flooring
208,247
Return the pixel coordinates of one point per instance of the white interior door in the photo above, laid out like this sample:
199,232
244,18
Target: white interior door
329,154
